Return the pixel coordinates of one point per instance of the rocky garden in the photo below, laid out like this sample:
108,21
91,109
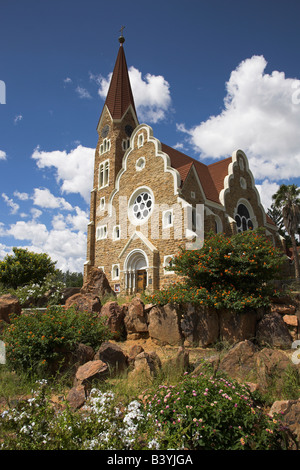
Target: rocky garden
204,364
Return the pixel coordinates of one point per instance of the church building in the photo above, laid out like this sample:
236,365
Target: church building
148,199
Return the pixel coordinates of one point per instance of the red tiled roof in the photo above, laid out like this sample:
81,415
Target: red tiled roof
119,96
183,163
218,171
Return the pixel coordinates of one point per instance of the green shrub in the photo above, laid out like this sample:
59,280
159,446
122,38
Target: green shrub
49,288
213,414
35,340
227,272
25,267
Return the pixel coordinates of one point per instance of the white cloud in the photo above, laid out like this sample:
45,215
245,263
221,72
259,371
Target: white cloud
18,118
13,205
261,116
66,247
79,221
83,93
21,196
36,213
31,230
2,155
68,80
74,170
4,250
151,94
44,198
266,191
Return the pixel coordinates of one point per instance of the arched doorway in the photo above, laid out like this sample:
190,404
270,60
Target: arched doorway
135,271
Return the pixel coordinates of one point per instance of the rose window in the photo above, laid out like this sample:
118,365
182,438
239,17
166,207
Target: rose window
142,206
243,220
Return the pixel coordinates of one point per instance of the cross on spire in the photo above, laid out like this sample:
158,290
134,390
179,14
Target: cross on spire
121,38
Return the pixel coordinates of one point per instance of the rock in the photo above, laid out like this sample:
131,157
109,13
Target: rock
273,332
97,283
291,320
89,371
164,325
239,361
133,352
9,305
237,326
213,361
283,309
292,323
68,292
146,367
199,326
181,362
115,315
135,320
253,387
113,356
84,302
77,396
271,366
83,354
289,411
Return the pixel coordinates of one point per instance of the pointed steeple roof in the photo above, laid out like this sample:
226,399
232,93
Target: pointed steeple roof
119,96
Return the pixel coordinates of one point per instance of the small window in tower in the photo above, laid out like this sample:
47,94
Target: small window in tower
103,174
115,272
125,144
105,146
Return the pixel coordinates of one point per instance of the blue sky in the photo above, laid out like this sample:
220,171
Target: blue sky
208,76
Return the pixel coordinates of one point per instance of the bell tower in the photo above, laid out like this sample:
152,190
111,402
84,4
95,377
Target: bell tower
115,126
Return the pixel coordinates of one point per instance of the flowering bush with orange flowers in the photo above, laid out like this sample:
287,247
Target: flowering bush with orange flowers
227,272
35,341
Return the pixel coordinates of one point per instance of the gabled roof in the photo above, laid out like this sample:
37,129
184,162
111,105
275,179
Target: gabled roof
119,96
210,180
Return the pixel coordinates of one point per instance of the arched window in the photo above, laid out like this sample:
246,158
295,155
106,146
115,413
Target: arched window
115,271
243,219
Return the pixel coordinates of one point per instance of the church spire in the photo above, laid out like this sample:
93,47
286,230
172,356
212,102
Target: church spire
119,96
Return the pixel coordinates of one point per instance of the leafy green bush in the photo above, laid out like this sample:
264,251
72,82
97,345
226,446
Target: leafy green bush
49,289
227,272
212,413
25,267
35,340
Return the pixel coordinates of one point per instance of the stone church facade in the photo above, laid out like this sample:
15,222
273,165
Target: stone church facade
149,199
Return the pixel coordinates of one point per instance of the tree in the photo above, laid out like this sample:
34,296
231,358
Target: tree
287,199
24,267
227,272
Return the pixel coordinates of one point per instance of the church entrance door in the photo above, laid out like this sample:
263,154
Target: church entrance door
141,280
